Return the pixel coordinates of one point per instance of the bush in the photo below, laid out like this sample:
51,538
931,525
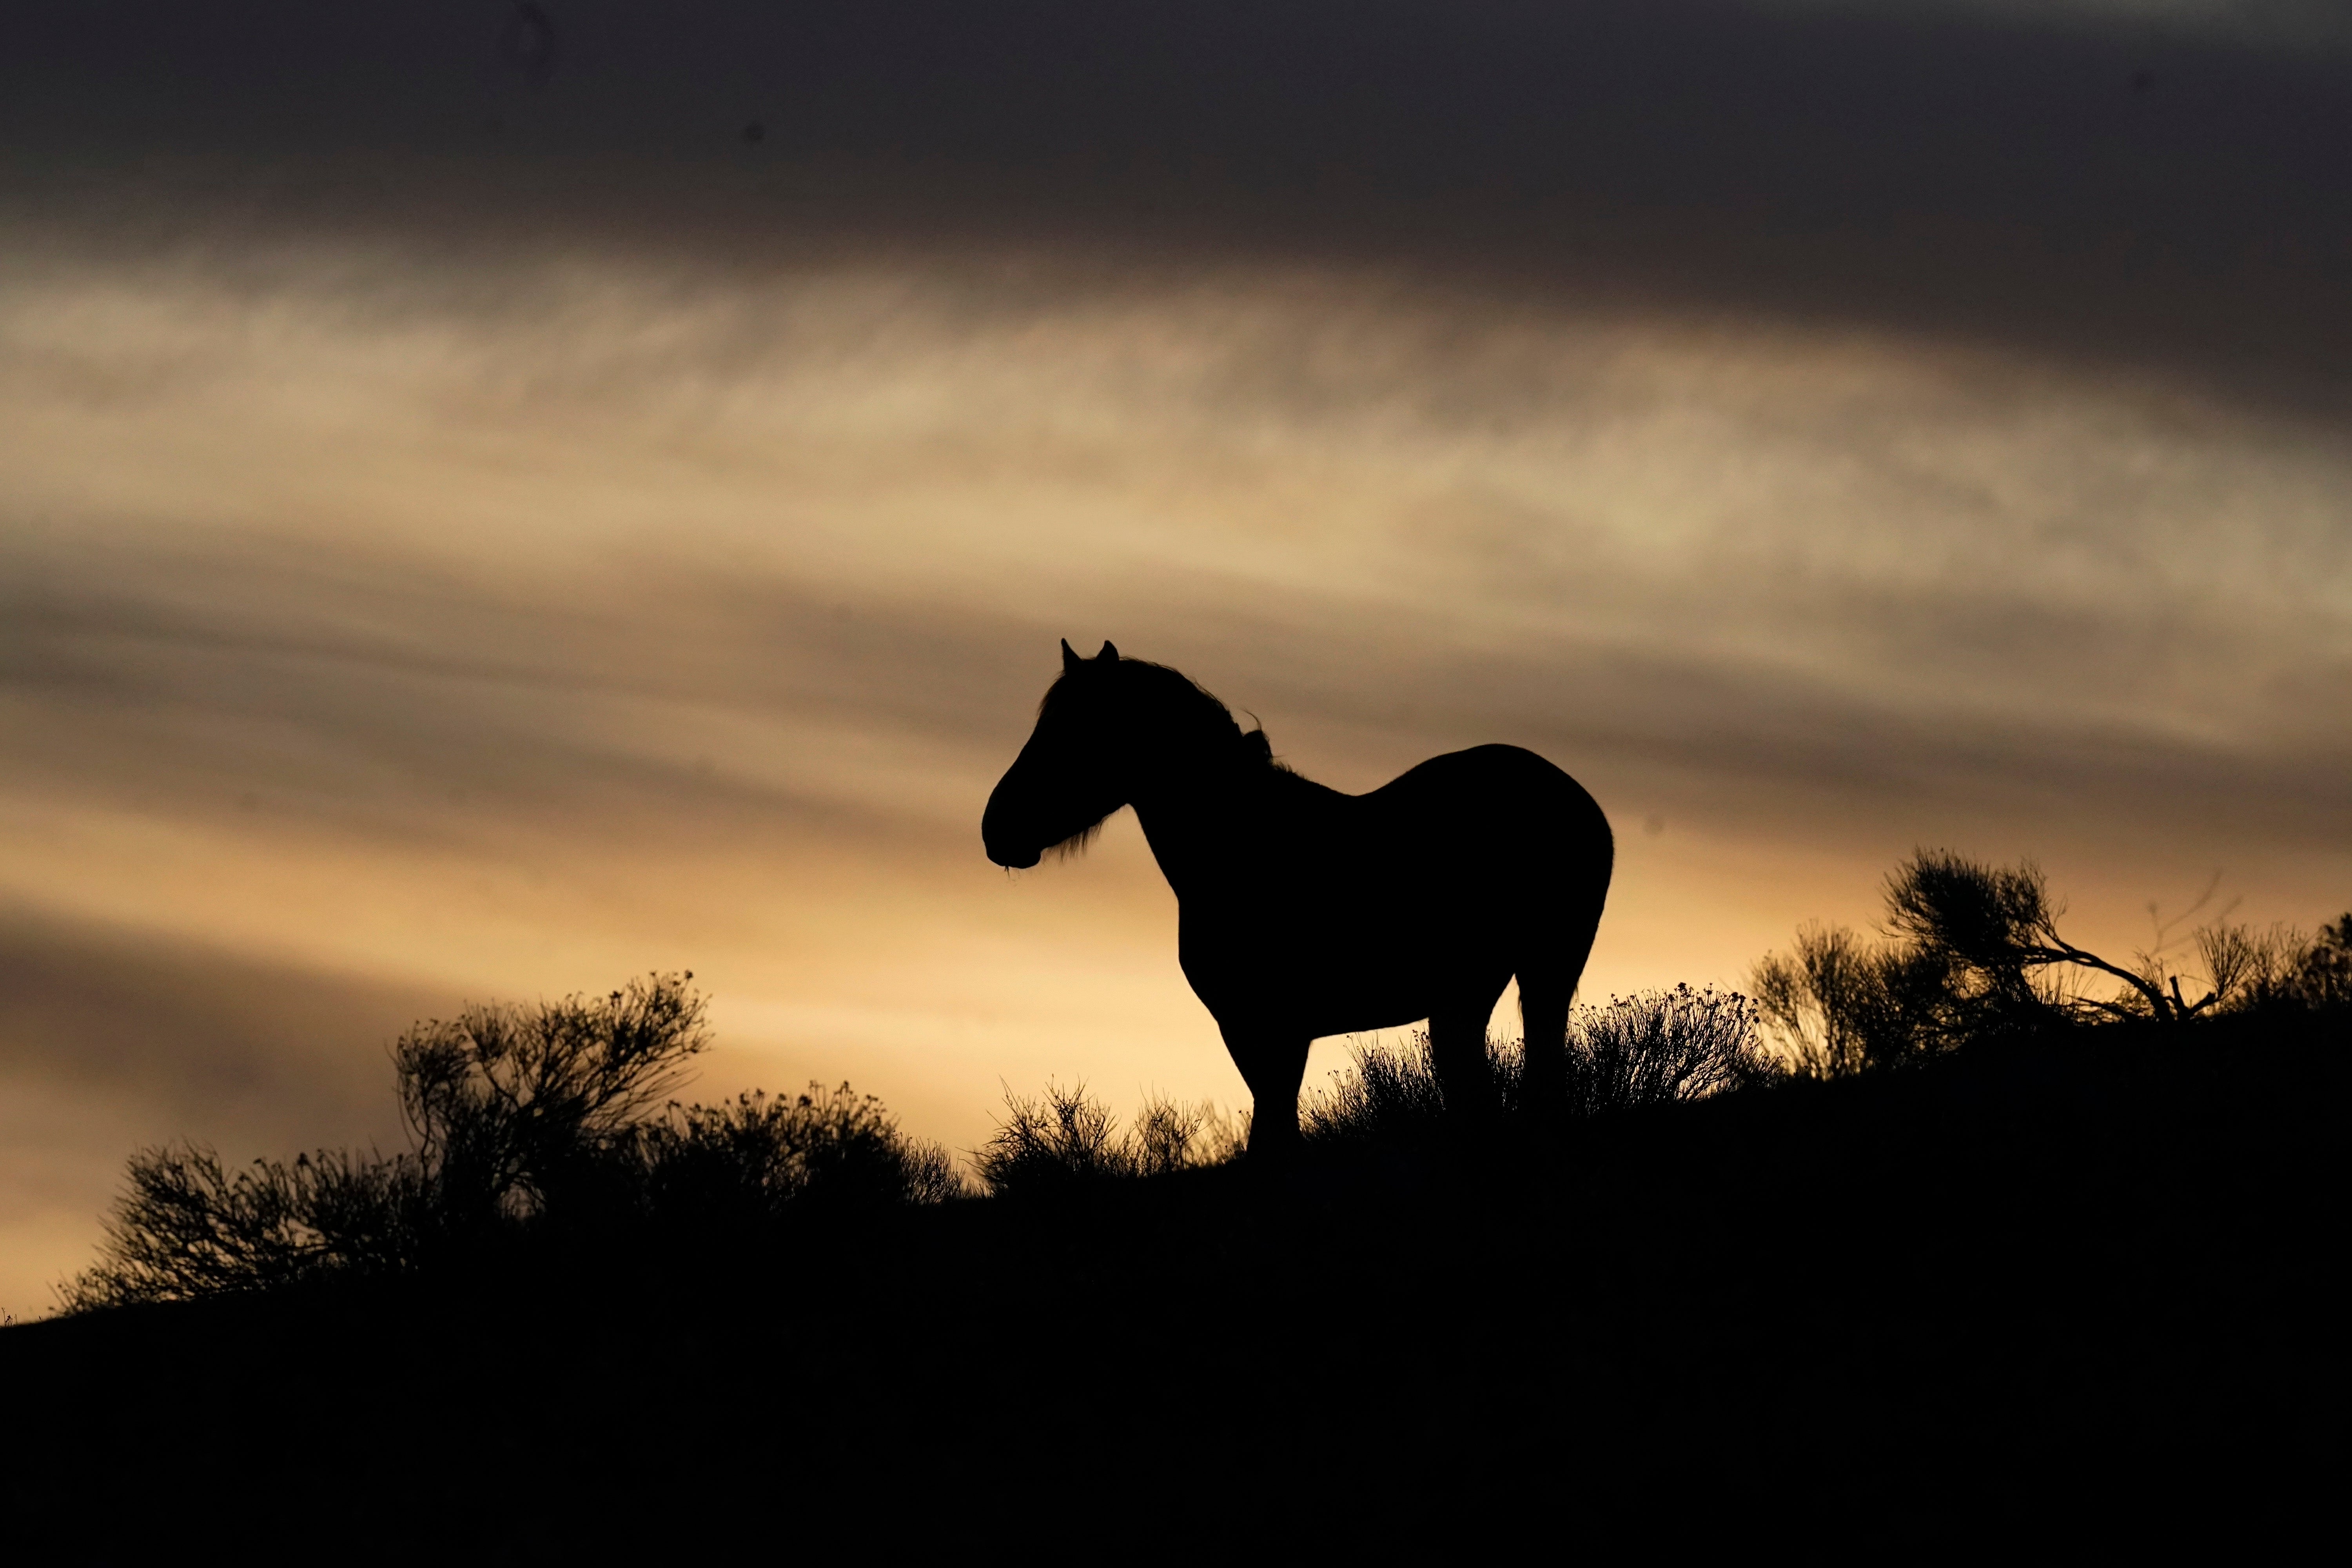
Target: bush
1974,953
756,1157
2278,970
1840,1004
1388,1096
187,1228
521,1121
1657,1048
1663,1047
513,1110
1061,1140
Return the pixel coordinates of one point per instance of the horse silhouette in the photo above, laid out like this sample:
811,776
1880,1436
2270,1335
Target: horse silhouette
1304,912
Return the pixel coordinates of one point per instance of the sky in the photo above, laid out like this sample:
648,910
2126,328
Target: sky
491,511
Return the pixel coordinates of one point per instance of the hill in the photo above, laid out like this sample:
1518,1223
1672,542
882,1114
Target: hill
2075,1273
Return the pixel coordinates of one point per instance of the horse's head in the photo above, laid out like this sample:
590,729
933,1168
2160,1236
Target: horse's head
1068,777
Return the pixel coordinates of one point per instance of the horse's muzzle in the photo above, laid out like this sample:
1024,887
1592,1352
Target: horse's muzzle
1015,860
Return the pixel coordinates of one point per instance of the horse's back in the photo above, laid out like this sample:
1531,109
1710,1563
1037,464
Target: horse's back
1462,823
1482,780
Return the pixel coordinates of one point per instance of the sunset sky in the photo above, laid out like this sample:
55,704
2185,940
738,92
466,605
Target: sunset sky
487,516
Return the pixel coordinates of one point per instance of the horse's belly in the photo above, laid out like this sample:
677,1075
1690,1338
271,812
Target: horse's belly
1331,980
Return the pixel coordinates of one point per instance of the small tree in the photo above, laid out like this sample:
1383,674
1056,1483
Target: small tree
508,1106
1976,951
2001,929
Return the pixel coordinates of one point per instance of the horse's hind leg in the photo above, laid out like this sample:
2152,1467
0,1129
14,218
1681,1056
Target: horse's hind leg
1457,1049
1543,1024
1548,982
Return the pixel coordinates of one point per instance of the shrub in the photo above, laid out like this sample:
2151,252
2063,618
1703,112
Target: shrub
1653,1048
512,1108
2280,969
1662,1048
1389,1095
521,1121
188,1228
1840,1004
757,1156
1974,952
1061,1139
2322,974
1170,1136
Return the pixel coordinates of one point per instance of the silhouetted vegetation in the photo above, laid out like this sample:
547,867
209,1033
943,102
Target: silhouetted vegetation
2085,1242
1655,1049
554,1123
1061,1138
523,1122
1973,952
761,1157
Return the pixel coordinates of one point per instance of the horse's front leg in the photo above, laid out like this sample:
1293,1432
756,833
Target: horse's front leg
1273,1063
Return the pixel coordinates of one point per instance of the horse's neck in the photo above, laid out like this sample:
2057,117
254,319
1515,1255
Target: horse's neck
1205,825
1187,823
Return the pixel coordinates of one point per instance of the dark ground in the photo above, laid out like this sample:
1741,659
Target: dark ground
2028,1291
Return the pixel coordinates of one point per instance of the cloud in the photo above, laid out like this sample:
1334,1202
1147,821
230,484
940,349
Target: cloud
2281,24
526,531
522,525
500,575
2145,181
113,1039
201,1040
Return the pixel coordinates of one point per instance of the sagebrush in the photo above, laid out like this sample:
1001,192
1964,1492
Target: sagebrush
1061,1139
1973,952
1655,1048
522,1121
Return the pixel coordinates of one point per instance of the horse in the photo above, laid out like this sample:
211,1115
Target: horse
1304,912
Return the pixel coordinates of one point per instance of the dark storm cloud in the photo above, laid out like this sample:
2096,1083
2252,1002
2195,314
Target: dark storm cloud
2160,182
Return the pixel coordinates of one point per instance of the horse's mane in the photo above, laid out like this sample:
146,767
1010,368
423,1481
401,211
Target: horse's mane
1182,704
1180,700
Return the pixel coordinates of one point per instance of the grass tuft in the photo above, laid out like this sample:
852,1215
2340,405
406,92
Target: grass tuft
1657,1048
1061,1139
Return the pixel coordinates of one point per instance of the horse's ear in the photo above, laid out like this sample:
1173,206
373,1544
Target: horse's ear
1070,661
1109,655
